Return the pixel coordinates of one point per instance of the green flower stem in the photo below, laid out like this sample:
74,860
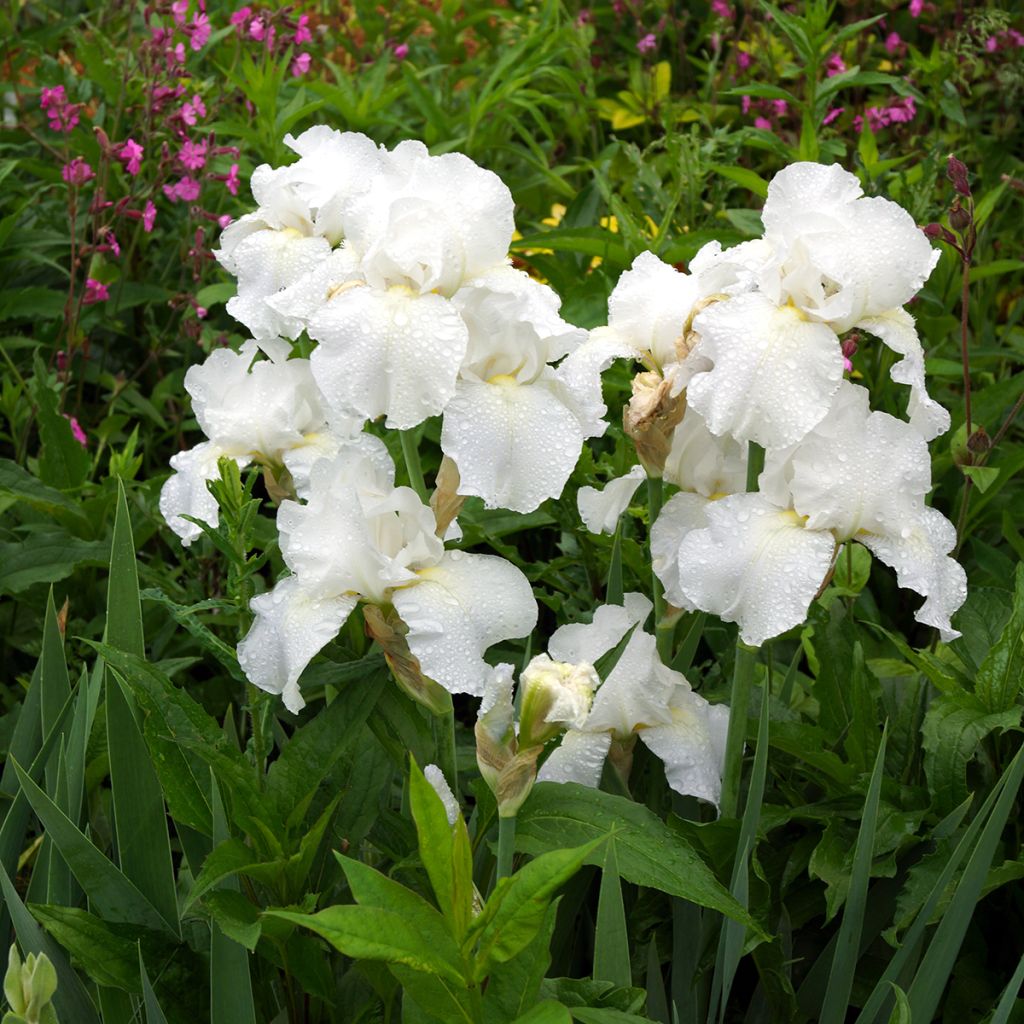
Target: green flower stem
444,744
506,847
411,453
257,722
742,682
661,632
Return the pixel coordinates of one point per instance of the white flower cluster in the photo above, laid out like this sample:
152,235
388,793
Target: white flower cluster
748,345
641,698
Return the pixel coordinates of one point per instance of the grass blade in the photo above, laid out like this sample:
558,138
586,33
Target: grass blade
115,896
844,963
154,1014
1008,999
230,984
611,939
730,943
933,973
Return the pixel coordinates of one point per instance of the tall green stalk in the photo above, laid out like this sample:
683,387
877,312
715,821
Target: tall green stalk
411,454
742,681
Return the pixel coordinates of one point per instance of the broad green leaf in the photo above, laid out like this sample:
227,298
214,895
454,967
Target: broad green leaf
1001,673
648,852
115,896
314,748
108,953
440,1000
178,721
516,910
548,1012
63,462
437,852
901,1012
373,934
589,241
46,555
605,1015
611,937
71,1000
513,987
227,859
236,916
952,729
844,962
20,484
742,176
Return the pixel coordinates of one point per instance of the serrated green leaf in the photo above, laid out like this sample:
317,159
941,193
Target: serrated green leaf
46,555
1001,673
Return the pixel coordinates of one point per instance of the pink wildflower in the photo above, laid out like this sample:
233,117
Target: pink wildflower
179,10
240,17
111,242
193,110
721,9
835,65
991,44
257,30
300,65
648,44
743,60
401,51
176,56
149,216
95,291
192,155
186,190
902,111
268,42
763,123
231,181
62,116
130,154
302,33
916,7
198,31
745,104
223,221
76,172
201,312
893,43
780,108
76,430
833,113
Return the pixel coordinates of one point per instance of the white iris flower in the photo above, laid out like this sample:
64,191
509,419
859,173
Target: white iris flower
259,411
641,697
359,537
759,559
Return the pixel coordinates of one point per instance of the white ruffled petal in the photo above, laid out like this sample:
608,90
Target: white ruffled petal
185,493
859,471
266,262
919,554
292,624
754,564
514,444
578,758
514,326
680,515
701,462
578,642
581,371
460,607
637,691
692,745
774,372
388,353
807,197
896,328
600,510
649,307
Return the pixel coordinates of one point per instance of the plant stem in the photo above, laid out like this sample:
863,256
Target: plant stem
411,453
259,749
506,847
964,355
662,633
444,743
742,682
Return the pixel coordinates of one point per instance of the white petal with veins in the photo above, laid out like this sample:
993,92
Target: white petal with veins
601,510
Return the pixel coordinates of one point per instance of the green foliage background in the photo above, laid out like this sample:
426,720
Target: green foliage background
881,838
